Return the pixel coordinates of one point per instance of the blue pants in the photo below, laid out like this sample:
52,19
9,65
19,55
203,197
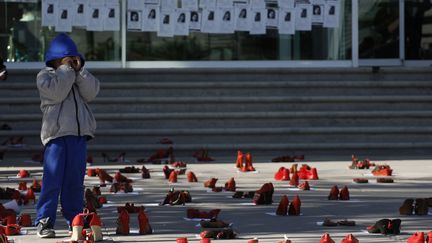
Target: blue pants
63,174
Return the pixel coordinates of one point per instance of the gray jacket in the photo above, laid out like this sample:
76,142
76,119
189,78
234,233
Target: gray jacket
64,95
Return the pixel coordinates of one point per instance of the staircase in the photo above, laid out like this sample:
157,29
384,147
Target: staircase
325,112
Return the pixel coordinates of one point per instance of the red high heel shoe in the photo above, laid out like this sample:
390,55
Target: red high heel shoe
294,180
249,166
326,239
36,186
145,173
334,193
296,204
280,174
239,160
283,206
95,226
304,186
344,194
382,170
91,172
230,185
264,195
25,220
77,228
350,239
30,196
210,183
191,177
12,229
417,237
123,223
22,186
167,171
118,177
23,174
173,177
307,173
144,225
104,176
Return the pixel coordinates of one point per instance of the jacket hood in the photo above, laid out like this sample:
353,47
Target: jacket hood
62,46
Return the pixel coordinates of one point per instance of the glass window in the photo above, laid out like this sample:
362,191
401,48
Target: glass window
319,44
418,30
22,39
378,29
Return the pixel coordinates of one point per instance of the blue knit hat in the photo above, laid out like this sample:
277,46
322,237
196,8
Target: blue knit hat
62,46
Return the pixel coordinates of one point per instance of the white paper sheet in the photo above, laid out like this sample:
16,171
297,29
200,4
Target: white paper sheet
257,4
95,14
150,18
224,3
225,20
195,20
49,12
318,11
134,20
111,15
286,4
189,5
258,21
286,21
209,4
332,13
181,25
168,5
272,17
166,24
209,23
64,17
79,13
303,16
242,14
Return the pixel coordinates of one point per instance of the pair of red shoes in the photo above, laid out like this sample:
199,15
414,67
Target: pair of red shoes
360,164
348,239
193,213
123,223
289,208
244,162
335,194
191,177
382,170
202,155
283,174
78,232
36,186
23,174
307,173
419,237
179,164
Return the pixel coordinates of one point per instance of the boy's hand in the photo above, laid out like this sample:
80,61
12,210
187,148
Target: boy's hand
67,61
76,63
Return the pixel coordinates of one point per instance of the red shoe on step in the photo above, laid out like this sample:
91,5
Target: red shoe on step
326,239
282,209
191,177
334,193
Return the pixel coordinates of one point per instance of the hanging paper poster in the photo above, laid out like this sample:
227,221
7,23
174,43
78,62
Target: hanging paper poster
303,16
49,12
168,5
242,13
331,15
112,15
64,17
225,20
134,20
189,5
224,3
150,18
195,20
257,4
209,4
79,13
287,21
258,21
166,24
272,17
95,14
182,22
209,24
286,4
318,11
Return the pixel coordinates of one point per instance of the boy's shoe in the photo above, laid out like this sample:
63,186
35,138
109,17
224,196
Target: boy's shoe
417,237
45,229
407,207
350,239
326,239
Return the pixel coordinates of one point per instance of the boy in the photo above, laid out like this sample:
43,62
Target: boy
3,71
65,87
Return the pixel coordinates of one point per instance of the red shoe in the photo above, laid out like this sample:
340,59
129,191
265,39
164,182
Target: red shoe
278,174
179,164
96,191
25,220
144,225
121,178
103,176
91,172
304,186
230,185
417,237
210,183
9,219
382,170
294,169
205,240
249,166
102,200
296,204
344,194
283,206
95,225
12,229
30,196
22,186
182,240
167,171
326,239
173,177
123,223
294,180
308,173
240,158
23,174
283,174
334,193
350,239
77,228
36,186
145,173
429,237
264,195
191,177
